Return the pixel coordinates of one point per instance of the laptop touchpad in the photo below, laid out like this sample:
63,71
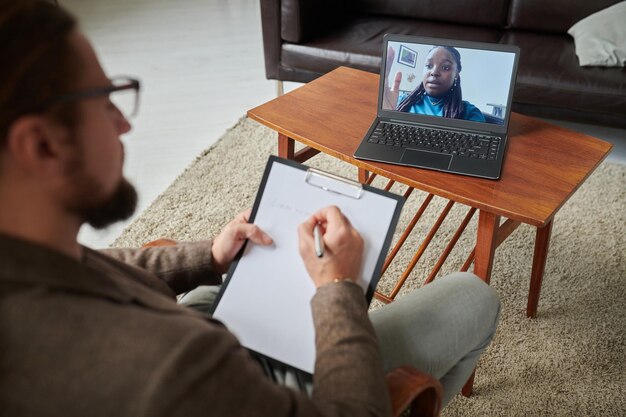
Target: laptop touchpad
425,159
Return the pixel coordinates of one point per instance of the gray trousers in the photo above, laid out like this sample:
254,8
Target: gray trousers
441,328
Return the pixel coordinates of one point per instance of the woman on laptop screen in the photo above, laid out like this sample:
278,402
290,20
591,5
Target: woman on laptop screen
439,93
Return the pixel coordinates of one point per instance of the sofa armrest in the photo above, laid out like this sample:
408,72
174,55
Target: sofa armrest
418,390
295,21
270,22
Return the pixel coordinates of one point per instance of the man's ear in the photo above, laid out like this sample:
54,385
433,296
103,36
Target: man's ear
37,144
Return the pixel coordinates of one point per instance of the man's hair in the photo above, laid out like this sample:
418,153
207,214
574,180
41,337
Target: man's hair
38,62
453,107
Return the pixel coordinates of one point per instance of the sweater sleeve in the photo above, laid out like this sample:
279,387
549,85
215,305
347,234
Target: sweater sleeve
348,366
182,267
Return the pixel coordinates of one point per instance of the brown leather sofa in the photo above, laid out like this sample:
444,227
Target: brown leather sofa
304,39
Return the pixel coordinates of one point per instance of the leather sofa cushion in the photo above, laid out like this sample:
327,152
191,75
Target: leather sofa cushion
358,44
549,75
305,19
474,12
555,16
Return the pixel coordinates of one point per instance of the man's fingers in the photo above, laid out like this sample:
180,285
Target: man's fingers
244,216
333,216
241,229
253,232
259,236
310,223
323,214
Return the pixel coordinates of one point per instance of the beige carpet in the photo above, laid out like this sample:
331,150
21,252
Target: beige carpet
570,361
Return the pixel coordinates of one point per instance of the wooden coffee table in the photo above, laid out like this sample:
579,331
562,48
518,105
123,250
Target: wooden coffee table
543,167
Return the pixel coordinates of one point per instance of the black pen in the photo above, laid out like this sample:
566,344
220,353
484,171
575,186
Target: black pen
319,243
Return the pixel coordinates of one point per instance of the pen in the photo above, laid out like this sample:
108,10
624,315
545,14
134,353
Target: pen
319,243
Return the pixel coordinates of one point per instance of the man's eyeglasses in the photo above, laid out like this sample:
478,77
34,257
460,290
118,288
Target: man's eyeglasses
123,93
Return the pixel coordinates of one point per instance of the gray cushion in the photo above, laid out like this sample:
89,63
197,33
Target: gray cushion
601,37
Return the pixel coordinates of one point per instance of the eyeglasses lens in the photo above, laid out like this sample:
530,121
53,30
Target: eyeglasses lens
125,101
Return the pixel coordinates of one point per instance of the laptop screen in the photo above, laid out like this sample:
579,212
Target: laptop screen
438,80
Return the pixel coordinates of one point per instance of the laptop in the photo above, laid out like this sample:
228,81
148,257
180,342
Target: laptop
431,115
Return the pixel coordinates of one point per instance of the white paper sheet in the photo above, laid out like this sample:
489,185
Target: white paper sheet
266,303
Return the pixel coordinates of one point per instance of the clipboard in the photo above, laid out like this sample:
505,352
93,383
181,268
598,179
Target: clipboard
265,299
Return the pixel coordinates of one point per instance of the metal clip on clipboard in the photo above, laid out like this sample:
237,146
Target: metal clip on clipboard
334,183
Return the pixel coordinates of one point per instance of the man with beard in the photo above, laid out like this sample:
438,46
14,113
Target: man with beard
87,333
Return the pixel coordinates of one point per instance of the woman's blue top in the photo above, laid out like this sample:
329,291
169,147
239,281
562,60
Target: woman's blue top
425,106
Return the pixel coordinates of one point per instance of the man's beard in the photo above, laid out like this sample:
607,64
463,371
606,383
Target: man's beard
102,212
120,206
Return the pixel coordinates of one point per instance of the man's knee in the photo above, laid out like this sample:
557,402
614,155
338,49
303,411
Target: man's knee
482,297
201,298
472,284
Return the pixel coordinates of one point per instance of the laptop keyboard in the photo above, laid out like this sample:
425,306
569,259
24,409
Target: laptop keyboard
434,140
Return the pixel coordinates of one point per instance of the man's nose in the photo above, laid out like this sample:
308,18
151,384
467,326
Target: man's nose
122,123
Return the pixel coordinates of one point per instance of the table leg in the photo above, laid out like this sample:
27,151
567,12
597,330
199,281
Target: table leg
286,146
363,175
542,243
287,150
467,389
486,244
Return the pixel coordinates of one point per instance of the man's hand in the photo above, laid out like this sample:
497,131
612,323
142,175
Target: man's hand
390,95
343,247
231,239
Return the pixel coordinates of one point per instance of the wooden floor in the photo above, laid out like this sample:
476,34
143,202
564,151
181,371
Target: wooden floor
201,67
